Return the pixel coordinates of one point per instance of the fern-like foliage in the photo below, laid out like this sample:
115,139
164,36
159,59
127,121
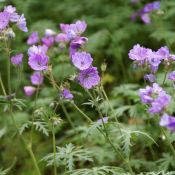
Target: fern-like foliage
166,162
39,125
68,155
104,170
158,173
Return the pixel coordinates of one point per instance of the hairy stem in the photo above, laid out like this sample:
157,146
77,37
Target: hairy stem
107,135
54,149
67,115
28,146
77,108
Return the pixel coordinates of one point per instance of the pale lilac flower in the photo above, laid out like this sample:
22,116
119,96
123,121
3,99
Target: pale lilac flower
154,59
139,54
10,9
64,27
38,59
76,29
34,50
150,77
48,41
36,78
66,94
89,78
103,120
14,17
61,38
29,90
146,18
17,59
49,32
160,103
163,53
33,38
171,76
82,60
156,97
4,20
22,23
146,95
168,122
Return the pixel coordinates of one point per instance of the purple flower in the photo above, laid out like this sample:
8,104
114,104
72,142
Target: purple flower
75,30
156,97
139,54
151,7
82,60
150,77
36,78
22,23
61,38
14,17
159,104
64,27
34,50
146,18
89,78
103,120
163,53
37,58
76,44
29,90
4,20
48,41
145,95
17,59
154,60
33,38
171,76
66,94
168,122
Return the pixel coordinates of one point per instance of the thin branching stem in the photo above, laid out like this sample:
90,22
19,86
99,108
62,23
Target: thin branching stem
107,135
67,115
77,108
54,148
28,146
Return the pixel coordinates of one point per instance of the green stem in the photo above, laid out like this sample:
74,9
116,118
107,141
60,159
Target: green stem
107,135
167,140
8,67
67,115
107,99
28,146
77,108
2,86
54,149
164,78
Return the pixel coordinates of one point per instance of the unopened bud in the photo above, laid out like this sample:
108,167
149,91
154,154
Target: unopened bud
103,67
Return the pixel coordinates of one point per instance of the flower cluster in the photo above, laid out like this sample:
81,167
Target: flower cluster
8,15
154,96
151,59
144,13
71,33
